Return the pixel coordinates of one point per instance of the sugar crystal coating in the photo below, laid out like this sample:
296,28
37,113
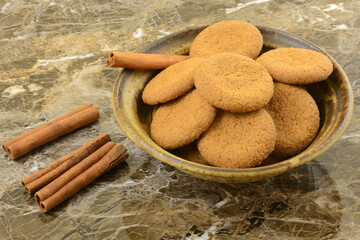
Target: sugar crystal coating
238,140
296,118
181,121
296,65
228,36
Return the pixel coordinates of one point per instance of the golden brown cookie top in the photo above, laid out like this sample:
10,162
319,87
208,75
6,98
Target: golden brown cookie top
296,65
238,140
228,36
234,82
171,83
181,121
296,118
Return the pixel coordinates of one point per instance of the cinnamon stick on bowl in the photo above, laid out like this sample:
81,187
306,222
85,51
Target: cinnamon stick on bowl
80,175
50,131
143,60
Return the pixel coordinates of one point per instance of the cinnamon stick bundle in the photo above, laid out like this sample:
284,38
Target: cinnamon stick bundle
39,179
50,131
69,175
142,60
80,175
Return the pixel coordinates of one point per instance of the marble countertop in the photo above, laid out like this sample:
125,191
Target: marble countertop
52,60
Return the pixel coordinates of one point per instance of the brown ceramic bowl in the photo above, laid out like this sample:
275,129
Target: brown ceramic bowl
333,97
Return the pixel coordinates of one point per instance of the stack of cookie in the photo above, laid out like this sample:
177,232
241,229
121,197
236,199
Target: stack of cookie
229,108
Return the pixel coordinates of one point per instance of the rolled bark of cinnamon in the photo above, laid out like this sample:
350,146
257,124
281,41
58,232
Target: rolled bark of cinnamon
73,172
50,131
91,147
11,141
143,60
115,156
37,180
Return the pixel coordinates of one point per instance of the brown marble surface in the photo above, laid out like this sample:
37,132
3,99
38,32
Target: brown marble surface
52,60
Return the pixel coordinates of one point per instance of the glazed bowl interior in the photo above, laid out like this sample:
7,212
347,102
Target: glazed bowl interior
333,97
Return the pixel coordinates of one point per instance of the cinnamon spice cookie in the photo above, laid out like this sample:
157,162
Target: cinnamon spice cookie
171,83
181,121
296,65
238,140
296,118
270,160
233,82
228,36
191,153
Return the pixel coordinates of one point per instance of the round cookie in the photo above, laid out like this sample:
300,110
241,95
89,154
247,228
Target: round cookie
296,65
191,153
270,160
233,82
181,121
238,140
171,83
228,36
296,118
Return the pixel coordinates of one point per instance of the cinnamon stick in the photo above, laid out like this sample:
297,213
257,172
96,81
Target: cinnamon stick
75,171
44,176
114,157
50,131
142,60
79,109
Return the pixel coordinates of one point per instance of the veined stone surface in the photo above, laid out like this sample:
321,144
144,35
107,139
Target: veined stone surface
52,60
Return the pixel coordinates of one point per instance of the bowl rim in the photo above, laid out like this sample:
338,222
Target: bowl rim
272,169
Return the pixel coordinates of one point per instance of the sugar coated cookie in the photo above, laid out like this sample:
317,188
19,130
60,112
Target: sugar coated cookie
191,153
233,82
296,118
238,140
228,36
171,83
296,65
181,121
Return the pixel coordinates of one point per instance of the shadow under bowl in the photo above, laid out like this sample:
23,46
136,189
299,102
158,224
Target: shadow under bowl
333,97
